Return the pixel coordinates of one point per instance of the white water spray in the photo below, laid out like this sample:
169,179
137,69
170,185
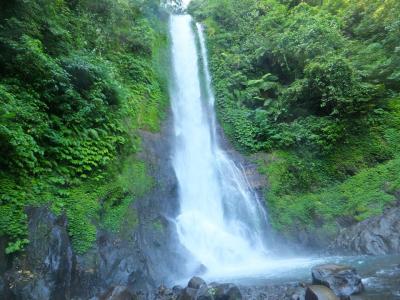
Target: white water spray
185,3
221,222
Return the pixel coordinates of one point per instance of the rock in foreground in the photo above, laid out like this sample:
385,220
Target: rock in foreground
197,289
227,291
343,280
196,283
320,292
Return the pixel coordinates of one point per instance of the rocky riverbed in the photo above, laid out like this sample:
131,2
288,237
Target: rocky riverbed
119,269
324,282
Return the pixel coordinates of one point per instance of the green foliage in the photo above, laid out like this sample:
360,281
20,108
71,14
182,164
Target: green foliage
77,81
350,182
357,198
315,84
104,203
12,217
121,192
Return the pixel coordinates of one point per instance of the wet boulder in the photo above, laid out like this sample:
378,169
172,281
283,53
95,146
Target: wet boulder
320,292
164,293
196,289
227,291
343,280
188,294
177,289
204,293
196,282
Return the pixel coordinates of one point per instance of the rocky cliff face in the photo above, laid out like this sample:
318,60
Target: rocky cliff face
134,258
44,271
374,236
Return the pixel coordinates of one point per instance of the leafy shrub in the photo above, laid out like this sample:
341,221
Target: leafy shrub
77,82
314,84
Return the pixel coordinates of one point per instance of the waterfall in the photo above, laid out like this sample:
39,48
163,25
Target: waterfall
221,222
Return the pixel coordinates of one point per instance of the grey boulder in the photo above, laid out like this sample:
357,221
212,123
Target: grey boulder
197,289
320,292
227,291
343,280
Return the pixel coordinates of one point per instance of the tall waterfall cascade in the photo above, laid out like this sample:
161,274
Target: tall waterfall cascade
221,221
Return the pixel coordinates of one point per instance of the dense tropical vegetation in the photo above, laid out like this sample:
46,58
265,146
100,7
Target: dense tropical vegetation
78,79
314,84
310,87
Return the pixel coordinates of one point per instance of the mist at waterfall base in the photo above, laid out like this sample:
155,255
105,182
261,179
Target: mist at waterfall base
221,221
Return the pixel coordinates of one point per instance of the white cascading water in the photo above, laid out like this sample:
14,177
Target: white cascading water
221,222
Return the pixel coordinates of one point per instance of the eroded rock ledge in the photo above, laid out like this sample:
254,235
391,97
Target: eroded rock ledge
374,236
